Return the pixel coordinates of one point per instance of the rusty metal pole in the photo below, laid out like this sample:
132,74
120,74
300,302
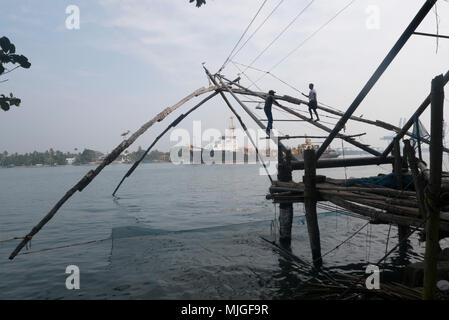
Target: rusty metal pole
432,196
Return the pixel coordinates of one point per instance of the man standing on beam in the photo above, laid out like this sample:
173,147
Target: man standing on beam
268,104
313,104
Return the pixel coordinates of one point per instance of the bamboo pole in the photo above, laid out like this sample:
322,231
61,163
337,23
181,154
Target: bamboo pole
240,121
378,123
299,186
324,128
433,195
347,162
172,125
108,160
316,124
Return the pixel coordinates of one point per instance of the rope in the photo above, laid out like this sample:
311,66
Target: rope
282,81
247,77
257,29
437,22
308,38
65,246
282,32
241,37
344,241
387,254
15,238
296,259
386,245
343,151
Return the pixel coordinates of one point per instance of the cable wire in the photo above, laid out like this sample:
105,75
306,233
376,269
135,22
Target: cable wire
308,38
282,32
257,29
242,36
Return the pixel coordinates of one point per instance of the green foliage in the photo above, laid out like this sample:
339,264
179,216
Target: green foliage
8,55
87,156
199,3
7,102
48,158
153,156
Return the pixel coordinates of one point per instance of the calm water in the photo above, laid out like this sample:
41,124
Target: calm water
175,232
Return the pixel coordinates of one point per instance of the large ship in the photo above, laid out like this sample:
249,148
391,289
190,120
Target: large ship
223,150
299,152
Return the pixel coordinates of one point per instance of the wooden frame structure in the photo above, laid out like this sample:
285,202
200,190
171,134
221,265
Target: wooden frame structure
398,205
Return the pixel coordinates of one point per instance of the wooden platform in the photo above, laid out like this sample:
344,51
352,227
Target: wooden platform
382,205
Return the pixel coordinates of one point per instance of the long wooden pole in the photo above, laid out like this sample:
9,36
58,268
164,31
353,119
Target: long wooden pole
377,123
240,121
434,189
108,160
323,127
316,124
348,162
172,125
252,115
378,73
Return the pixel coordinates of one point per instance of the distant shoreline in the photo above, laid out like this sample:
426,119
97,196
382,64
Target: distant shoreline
71,165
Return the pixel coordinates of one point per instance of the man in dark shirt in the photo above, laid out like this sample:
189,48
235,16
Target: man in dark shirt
268,103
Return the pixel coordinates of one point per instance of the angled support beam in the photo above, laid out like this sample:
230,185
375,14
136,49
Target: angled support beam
431,35
252,115
293,100
410,121
378,73
316,124
350,162
433,193
171,125
240,120
348,139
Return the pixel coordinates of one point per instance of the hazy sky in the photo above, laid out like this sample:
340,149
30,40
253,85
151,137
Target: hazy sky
130,59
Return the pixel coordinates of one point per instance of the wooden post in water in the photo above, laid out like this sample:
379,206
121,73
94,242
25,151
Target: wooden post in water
403,231
285,209
432,194
417,178
397,166
310,200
